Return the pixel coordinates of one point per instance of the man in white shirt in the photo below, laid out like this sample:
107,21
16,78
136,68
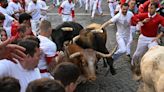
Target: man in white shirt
96,7
66,10
25,70
16,8
112,6
35,10
122,20
48,48
8,19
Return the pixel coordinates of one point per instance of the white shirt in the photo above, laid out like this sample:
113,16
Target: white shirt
44,7
15,7
8,68
48,50
122,23
8,19
36,15
67,7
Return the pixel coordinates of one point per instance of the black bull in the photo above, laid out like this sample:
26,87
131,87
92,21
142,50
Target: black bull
59,36
95,40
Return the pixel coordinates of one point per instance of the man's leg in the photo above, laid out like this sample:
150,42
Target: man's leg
94,9
121,47
142,47
99,7
86,5
111,9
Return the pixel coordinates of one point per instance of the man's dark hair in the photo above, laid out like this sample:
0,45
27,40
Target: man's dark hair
22,28
66,72
45,85
125,4
154,4
29,45
2,16
9,84
33,38
23,17
2,1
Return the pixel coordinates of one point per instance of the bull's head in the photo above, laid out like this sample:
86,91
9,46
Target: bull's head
88,59
87,62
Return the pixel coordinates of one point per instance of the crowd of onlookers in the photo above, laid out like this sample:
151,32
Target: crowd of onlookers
26,52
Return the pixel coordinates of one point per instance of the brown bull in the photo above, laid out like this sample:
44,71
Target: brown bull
93,37
85,59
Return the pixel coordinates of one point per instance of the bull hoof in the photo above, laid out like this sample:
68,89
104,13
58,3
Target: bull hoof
113,71
104,63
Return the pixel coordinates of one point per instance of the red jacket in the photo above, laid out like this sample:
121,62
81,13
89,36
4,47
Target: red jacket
143,8
150,28
14,27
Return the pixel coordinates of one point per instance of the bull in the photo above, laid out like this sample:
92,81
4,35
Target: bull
92,37
85,59
152,70
65,32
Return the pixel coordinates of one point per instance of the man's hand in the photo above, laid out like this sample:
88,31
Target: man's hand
11,51
146,20
155,40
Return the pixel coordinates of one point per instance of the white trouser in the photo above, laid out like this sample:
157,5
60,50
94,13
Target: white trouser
95,7
90,5
132,35
35,26
112,8
86,4
56,2
67,18
144,43
80,3
123,46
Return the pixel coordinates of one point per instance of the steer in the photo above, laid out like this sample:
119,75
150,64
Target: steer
65,32
152,70
93,37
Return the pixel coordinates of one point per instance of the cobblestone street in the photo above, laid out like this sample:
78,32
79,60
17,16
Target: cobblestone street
122,81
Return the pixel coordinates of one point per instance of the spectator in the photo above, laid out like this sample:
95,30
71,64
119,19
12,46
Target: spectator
45,85
24,19
9,84
8,19
10,51
25,70
16,8
3,35
47,46
68,74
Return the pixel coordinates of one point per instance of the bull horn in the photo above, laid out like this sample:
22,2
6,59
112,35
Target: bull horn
107,55
74,55
67,28
97,31
75,39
